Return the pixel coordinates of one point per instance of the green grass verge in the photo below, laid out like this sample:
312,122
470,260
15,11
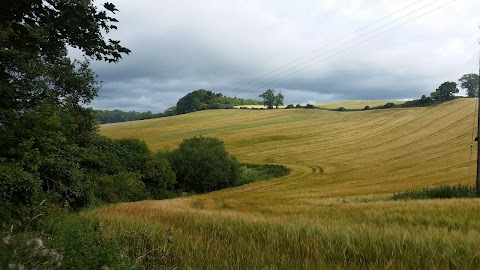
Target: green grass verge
250,173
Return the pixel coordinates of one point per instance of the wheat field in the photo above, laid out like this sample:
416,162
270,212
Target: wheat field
356,104
332,211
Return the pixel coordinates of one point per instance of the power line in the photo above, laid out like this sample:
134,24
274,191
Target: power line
268,82
325,46
343,44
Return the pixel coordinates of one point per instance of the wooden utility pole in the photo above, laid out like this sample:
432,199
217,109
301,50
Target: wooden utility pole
477,186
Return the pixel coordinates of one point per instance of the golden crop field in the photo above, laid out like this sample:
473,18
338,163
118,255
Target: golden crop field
356,104
332,211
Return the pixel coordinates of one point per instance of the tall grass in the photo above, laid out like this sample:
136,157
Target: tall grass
333,235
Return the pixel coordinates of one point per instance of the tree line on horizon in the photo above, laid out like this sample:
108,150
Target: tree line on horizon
447,90
197,100
202,99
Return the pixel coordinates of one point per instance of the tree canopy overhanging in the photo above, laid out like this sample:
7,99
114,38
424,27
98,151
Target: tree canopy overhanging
46,132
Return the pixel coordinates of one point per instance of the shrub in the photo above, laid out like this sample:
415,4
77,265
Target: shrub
19,250
158,176
367,108
310,106
290,106
82,246
250,173
202,164
389,105
341,109
442,192
298,106
121,187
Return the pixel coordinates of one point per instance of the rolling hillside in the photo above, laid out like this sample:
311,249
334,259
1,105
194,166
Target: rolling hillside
332,153
331,211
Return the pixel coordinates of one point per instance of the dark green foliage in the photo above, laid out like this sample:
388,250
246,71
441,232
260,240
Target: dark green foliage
20,250
309,106
442,192
121,187
170,111
207,100
112,159
298,106
366,108
82,246
250,173
422,102
389,105
19,191
469,82
270,99
445,91
240,101
132,153
290,106
64,242
44,125
202,164
341,109
158,177
115,116
279,100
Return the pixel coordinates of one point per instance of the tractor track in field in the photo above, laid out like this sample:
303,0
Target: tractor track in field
405,135
351,141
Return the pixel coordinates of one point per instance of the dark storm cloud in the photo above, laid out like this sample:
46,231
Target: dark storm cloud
180,46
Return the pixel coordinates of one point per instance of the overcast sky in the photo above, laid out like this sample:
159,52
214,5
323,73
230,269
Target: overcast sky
310,50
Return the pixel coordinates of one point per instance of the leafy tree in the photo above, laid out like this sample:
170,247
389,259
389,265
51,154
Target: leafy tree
202,164
158,176
469,82
445,92
44,124
268,98
279,100
201,100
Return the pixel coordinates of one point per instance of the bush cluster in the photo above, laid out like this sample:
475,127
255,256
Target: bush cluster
442,192
250,173
202,164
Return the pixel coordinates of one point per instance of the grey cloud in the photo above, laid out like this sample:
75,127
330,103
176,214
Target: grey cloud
180,46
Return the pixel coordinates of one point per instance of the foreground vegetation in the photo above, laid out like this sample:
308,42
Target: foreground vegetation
332,233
